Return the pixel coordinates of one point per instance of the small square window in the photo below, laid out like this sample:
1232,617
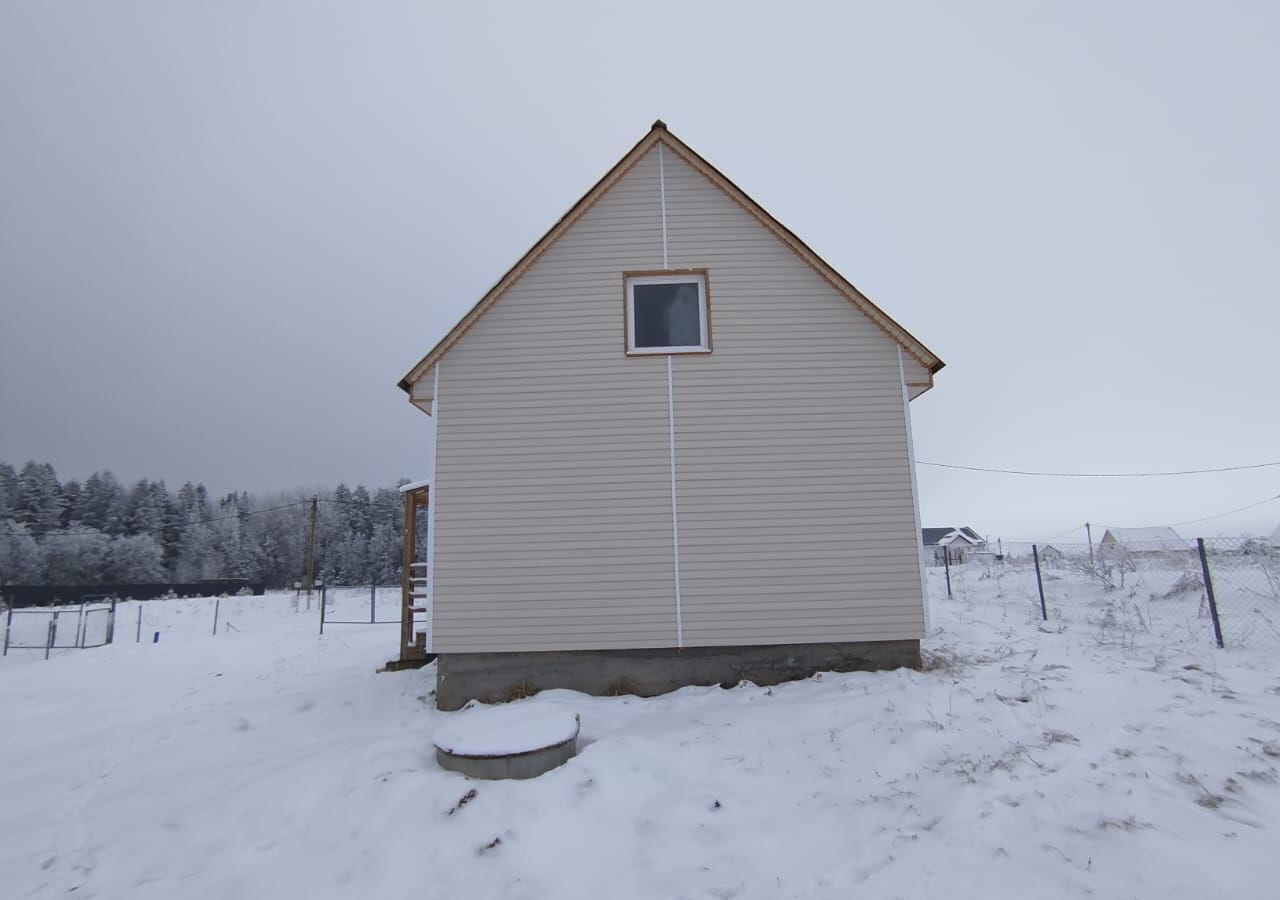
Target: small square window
667,314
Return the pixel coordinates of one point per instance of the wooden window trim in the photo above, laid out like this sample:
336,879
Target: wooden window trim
704,274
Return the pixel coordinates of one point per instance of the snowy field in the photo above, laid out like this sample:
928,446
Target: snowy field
1111,752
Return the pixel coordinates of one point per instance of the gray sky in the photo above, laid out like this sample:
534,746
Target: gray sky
226,230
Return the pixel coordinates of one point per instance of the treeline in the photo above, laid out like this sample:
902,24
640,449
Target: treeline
100,531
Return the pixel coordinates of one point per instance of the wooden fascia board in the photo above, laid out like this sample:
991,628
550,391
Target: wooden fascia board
658,133
900,335
513,274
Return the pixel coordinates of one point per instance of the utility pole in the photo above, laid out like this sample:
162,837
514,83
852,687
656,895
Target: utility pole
1089,532
311,551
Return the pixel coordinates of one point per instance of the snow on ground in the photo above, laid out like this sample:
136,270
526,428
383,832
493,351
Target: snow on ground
1091,755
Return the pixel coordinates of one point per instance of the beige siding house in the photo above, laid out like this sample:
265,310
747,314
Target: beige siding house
672,446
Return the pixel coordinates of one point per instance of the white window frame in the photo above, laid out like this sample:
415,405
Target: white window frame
704,318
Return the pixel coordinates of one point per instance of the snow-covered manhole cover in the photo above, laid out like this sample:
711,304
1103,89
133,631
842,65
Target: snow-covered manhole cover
517,740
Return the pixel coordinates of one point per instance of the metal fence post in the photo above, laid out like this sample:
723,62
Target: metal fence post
51,636
81,627
323,603
217,603
137,638
373,593
1035,554
111,622
1208,589
946,564
8,626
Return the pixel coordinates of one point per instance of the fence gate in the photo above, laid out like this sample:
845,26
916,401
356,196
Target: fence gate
59,628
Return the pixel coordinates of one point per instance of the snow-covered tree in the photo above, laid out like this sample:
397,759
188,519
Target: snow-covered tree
137,558
97,530
71,492
101,502
8,491
77,557
21,558
384,554
145,508
40,502
360,516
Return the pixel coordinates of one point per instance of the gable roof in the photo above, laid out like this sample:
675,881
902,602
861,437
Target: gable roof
659,134
931,536
1157,536
934,536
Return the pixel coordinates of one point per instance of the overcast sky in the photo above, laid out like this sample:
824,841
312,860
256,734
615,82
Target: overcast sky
228,229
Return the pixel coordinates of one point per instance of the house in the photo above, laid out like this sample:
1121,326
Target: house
1274,540
953,545
672,446
1050,554
1118,543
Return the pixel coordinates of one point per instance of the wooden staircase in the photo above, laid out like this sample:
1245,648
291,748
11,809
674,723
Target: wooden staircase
415,614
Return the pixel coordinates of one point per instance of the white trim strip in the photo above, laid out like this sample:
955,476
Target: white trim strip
431,515
662,189
915,491
675,516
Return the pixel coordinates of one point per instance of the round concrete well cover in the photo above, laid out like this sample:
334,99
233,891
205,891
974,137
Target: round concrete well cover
516,740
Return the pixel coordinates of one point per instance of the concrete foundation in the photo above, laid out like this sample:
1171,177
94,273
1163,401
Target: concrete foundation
497,677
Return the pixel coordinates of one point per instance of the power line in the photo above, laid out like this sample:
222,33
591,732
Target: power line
371,504
939,465
1221,515
1062,534
1228,513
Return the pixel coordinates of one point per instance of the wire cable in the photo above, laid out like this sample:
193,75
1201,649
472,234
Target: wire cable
939,465
1221,515
1045,540
1231,512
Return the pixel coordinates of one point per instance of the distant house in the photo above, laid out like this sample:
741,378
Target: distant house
1274,540
954,545
1050,553
1160,539
672,447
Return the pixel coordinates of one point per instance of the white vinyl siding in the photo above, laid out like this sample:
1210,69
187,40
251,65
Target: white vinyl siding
554,531
553,523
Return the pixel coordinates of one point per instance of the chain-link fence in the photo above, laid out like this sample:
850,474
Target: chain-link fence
1215,590
1244,576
